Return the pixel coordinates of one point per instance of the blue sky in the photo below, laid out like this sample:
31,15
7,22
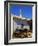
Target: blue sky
26,11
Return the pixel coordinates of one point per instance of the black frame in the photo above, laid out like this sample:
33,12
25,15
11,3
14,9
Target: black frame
6,33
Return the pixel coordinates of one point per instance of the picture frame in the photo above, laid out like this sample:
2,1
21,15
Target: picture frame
8,23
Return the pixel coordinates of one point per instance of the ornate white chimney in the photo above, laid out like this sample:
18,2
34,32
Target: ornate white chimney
20,13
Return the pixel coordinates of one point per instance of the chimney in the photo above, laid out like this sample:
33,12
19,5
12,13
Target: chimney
20,13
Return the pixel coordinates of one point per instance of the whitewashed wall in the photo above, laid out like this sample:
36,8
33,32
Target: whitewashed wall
27,27
16,26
